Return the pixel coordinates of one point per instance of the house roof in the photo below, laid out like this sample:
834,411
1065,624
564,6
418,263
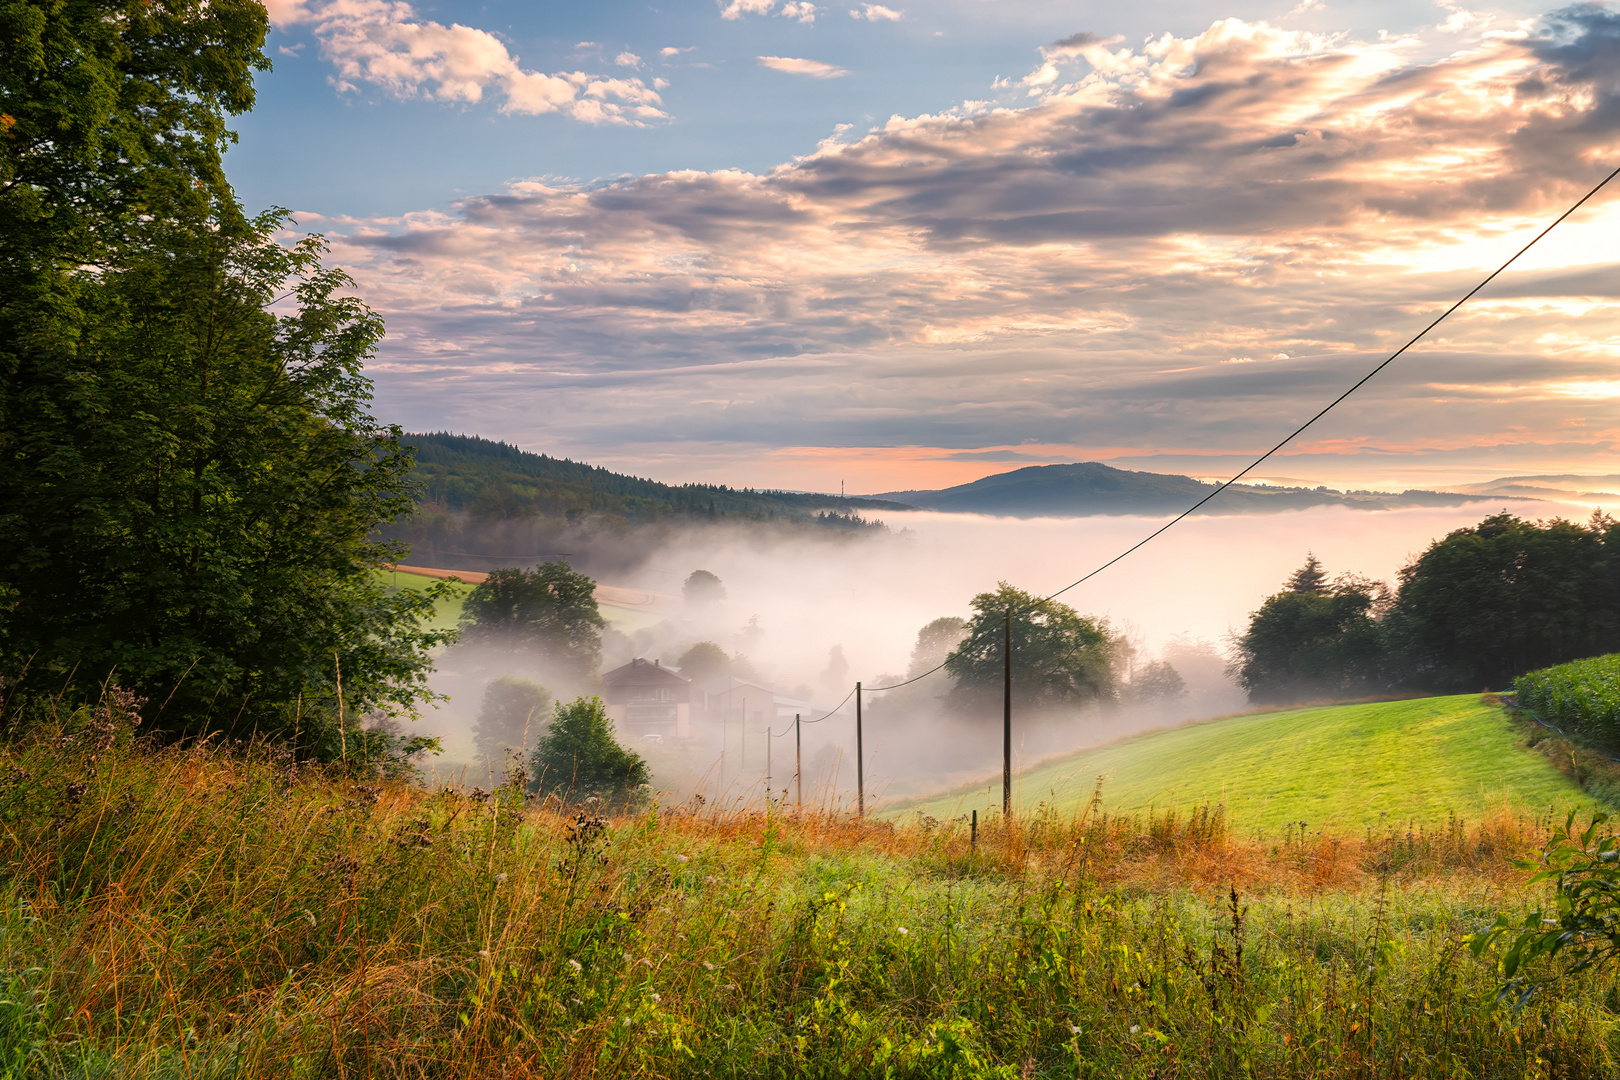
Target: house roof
640,672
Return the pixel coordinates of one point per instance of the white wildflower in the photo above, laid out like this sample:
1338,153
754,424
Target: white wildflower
655,998
903,931
1135,1028
575,965
500,879
484,953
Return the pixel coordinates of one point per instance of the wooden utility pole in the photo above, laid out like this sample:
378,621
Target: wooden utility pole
1006,717
860,760
798,765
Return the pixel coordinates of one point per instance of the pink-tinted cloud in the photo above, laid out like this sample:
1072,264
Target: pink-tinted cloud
1078,270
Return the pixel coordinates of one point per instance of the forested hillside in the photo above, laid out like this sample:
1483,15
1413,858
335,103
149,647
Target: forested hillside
482,501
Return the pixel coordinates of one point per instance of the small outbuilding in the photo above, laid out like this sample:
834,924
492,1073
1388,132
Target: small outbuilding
648,700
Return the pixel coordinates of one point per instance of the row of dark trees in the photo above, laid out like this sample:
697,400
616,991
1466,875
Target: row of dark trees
1477,608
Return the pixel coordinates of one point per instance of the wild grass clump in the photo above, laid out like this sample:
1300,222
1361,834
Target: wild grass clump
213,911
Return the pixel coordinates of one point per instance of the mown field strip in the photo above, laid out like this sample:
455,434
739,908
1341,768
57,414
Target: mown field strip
1345,767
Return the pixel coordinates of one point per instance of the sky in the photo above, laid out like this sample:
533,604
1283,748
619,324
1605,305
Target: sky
779,243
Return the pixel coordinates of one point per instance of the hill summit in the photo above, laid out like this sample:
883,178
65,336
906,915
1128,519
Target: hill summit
1089,487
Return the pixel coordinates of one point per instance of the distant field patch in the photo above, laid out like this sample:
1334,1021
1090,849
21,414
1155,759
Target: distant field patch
1344,766
622,615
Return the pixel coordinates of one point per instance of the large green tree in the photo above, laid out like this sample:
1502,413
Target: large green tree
191,482
549,612
1485,604
190,504
1059,657
1314,639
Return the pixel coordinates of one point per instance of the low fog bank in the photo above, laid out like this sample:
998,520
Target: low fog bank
808,618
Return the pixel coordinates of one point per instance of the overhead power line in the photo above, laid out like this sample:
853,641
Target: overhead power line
1359,383
1292,435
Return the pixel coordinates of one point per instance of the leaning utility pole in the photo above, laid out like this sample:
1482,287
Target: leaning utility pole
1006,717
860,760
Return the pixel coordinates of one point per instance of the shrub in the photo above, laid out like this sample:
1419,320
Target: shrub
578,758
1582,698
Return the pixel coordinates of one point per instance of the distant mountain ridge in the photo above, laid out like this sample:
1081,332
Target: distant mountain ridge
1090,488
484,478
482,504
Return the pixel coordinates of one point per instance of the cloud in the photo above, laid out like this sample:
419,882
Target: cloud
1075,270
875,13
383,43
801,10
627,59
816,69
671,50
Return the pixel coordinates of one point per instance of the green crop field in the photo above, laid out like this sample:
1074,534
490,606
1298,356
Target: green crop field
1582,697
1344,766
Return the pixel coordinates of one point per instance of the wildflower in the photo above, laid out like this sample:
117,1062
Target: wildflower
655,998
1073,1030
484,953
903,931
1135,1028
682,858
575,965
500,879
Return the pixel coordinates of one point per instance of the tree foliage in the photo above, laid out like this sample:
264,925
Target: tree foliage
578,758
1314,639
1487,603
550,611
512,714
1059,656
704,660
190,496
703,588
1156,680
935,641
192,483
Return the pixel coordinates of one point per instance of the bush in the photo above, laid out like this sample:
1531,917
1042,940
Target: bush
512,709
578,758
1582,698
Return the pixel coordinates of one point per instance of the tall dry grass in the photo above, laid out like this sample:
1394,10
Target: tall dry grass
227,912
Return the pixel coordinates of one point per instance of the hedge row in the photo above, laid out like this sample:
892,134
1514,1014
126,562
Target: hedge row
1582,698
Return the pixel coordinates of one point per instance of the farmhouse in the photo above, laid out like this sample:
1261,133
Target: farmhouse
647,699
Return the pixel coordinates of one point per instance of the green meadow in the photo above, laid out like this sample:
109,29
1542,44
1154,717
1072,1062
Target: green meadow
1344,767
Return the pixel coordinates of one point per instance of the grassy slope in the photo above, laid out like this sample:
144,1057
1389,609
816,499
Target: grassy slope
1345,766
